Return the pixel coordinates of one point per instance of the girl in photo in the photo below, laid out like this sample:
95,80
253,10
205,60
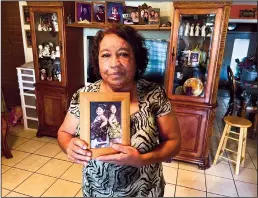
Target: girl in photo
114,131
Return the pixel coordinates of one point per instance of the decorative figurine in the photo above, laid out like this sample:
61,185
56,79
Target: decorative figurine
181,29
39,27
187,29
197,30
54,22
192,30
53,54
209,31
57,70
69,19
46,50
203,30
43,74
57,51
40,51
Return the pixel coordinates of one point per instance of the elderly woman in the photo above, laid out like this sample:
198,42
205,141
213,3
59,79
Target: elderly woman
120,58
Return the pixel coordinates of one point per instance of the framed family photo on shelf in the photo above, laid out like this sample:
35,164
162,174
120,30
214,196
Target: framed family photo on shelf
83,12
154,16
131,15
99,12
114,12
104,119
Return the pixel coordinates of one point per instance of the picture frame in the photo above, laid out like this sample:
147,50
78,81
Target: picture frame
144,15
114,12
26,14
104,119
99,12
131,15
154,16
28,38
83,12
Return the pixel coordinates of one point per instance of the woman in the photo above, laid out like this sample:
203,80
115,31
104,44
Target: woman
120,58
114,131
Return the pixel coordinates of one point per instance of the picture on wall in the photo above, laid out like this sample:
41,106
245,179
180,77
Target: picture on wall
131,15
26,14
154,16
28,38
105,119
99,12
83,12
114,12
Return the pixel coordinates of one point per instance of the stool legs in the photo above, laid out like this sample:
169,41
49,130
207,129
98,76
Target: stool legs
239,150
244,146
221,143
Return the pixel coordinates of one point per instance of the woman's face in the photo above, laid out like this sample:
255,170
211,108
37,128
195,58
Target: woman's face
156,15
113,109
133,15
116,62
99,111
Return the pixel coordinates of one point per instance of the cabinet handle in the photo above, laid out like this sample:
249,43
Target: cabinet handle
173,53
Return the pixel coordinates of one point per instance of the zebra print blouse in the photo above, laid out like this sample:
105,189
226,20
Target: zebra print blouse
101,179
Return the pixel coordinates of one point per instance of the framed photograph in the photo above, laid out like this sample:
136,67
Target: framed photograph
99,15
114,12
144,15
131,15
83,12
26,14
28,38
104,119
154,16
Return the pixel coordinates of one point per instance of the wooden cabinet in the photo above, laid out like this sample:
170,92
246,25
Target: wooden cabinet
58,61
195,57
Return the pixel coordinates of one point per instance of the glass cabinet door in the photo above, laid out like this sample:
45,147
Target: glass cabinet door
194,42
48,43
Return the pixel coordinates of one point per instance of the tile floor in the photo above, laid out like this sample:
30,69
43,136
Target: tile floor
40,169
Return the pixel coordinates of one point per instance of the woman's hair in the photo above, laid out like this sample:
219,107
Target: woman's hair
135,40
102,106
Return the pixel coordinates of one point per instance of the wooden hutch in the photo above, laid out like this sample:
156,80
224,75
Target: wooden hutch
192,76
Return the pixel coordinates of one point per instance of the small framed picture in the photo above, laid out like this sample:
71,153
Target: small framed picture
99,15
154,16
114,12
26,14
28,38
104,119
131,15
144,15
83,12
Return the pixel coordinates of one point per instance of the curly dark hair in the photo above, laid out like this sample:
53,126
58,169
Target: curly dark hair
135,40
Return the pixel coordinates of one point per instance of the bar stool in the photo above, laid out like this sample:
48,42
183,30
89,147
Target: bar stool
243,124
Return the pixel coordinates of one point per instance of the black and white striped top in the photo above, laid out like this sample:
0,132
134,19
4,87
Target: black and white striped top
101,179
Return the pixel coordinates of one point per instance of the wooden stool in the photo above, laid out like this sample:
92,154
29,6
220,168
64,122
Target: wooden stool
243,124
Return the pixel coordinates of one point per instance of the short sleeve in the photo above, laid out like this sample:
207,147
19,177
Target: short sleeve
164,105
74,104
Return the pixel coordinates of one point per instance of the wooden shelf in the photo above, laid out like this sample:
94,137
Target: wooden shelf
137,27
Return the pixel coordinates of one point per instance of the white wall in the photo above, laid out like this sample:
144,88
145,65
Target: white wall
27,51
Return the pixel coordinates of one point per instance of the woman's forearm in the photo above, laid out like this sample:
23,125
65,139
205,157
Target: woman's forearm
63,139
163,152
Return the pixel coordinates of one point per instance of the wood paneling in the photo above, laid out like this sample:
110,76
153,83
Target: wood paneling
12,52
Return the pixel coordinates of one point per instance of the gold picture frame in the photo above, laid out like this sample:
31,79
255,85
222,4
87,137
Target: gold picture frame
99,17
97,126
79,13
111,15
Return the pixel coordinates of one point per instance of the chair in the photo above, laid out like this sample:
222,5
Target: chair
243,124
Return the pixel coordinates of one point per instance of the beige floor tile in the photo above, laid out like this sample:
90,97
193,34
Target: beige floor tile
74,173
54,168
251,143
245,175
62,188
187,192
220,170
213,195
173,164
54,141
248,162
32,163
254,160
35,185
191,179
30,146
43,139
221,186
170,174
252,151
13,177
220,159
15,141
17,157
5,192
49,150
15,194
27,133
79,194
190,167
169,190
5,168
246,189
15,130
62,156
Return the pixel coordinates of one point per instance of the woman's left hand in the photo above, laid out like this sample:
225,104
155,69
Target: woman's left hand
128,155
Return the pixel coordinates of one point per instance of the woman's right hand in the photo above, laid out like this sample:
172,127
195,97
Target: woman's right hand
77,151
